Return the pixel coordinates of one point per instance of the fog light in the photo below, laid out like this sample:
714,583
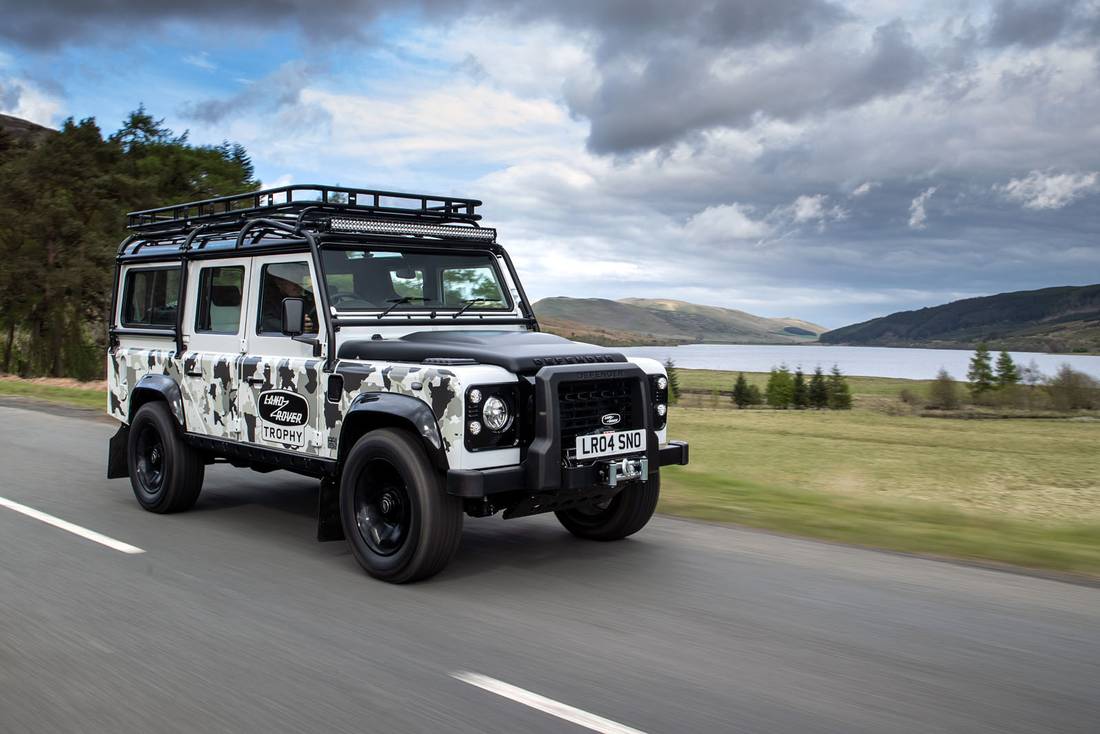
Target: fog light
475,396
661,409
662,383
474,428
495,414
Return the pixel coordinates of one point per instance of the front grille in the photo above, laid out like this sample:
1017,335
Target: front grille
583,403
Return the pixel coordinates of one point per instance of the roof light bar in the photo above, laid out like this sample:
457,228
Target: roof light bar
369,226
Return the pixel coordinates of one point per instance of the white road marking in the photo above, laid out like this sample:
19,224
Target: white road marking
57,522
544,704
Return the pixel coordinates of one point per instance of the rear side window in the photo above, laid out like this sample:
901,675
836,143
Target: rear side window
150,298
219,302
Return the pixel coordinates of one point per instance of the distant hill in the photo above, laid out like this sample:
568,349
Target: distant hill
637,321
1063,319
22,130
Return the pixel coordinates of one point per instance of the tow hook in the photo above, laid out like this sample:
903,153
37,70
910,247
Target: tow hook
624,470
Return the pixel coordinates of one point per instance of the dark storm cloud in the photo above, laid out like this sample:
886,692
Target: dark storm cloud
677,92
49,25
623,23
1028,23
281,89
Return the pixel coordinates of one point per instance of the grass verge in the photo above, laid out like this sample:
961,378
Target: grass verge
79,397
907,527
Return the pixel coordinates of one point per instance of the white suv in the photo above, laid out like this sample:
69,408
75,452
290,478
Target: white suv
382,343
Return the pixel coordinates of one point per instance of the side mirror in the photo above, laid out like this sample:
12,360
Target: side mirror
294,316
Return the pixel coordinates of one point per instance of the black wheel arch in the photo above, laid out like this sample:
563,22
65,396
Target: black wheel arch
158,387
372,410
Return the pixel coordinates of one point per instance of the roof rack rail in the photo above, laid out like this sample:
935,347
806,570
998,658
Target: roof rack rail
299,200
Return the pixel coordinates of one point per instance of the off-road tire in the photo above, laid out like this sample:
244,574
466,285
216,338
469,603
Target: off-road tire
626,514
426,525
169,479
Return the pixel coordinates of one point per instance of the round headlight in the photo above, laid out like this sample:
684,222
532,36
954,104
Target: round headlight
661,409
662,383
495,414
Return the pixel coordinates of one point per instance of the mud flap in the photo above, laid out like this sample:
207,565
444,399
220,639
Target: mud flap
116,454
328,511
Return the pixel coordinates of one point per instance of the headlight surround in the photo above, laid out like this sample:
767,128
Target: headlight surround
658,400
495,414
493,410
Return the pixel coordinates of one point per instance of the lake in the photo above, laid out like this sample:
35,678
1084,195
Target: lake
916,364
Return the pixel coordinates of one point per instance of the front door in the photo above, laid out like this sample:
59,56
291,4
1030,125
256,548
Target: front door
213,333
283,391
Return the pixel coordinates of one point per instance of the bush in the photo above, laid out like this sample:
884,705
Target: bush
909,397
944,392
1073,390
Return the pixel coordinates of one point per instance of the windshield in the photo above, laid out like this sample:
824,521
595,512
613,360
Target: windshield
363,279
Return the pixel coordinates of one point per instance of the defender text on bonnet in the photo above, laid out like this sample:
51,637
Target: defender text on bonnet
382,343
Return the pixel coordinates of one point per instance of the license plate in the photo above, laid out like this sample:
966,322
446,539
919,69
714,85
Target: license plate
609,444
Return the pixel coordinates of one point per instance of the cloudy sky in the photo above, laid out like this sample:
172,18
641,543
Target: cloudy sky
828,160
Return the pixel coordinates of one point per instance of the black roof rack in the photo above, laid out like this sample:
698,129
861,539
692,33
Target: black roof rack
295,201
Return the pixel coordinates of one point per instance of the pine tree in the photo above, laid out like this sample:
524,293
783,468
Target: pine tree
755,396
673,381
741,396
1007,372
980,373
780,389
819,391
840,395
800,394
63,202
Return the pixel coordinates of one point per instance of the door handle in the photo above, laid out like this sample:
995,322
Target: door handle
254,380
194,373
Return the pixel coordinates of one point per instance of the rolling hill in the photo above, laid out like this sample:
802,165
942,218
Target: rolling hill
638,321
21,130
1063,319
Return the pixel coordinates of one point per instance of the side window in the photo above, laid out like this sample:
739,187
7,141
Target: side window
150,298
463,284
219,300
285,280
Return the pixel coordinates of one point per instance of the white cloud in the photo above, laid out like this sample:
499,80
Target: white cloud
1040,190
917,216
20,98
725,223
200,60
863,189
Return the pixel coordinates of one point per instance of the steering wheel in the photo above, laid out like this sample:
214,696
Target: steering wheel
337,298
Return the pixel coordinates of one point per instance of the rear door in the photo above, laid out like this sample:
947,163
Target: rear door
214,326
282,394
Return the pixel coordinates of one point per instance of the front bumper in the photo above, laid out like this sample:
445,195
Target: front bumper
475,483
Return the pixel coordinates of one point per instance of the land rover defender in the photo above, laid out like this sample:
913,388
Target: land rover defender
382,343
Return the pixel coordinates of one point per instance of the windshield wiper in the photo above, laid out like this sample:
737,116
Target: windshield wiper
400,302
469,302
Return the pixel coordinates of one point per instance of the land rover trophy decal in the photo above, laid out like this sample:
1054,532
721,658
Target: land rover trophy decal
283,415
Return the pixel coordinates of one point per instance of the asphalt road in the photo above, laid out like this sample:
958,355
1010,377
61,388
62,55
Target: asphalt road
235,619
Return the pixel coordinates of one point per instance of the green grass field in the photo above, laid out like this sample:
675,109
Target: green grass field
1015,491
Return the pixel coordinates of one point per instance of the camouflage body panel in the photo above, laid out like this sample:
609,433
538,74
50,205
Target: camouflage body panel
223,404
438,387
126,367
284,374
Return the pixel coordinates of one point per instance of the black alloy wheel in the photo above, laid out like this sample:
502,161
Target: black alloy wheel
382,510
